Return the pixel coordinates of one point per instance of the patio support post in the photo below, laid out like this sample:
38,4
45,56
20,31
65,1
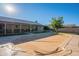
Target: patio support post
12,28
38,28
20,28
5,29
30,28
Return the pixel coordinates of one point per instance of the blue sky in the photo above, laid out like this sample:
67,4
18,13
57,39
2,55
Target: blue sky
44,12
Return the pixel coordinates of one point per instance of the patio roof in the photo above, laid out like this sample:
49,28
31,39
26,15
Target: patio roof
14,20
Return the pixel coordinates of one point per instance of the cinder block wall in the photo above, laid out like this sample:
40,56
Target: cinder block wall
69,30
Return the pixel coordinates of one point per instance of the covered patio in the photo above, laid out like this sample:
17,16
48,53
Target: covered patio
19,26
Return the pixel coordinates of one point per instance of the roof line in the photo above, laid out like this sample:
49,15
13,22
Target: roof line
18,20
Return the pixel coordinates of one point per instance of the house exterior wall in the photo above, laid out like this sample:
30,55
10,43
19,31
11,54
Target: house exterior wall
40,28
1,28
12,28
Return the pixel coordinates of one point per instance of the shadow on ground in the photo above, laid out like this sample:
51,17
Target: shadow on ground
23,38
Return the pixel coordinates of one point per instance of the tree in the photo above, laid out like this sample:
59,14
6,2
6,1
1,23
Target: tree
56,23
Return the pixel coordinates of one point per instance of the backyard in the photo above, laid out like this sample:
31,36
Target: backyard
42,44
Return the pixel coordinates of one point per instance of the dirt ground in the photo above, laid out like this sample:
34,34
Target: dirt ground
44,46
